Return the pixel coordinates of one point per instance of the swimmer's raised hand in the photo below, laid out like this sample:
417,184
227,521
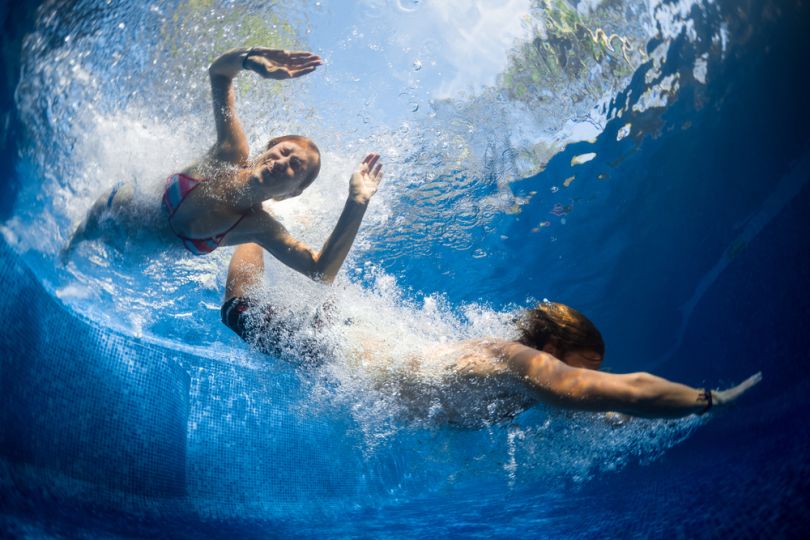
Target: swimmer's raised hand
725,397
280,64
269,63
366,179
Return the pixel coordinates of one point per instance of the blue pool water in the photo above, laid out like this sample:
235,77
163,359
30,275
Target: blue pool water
128,410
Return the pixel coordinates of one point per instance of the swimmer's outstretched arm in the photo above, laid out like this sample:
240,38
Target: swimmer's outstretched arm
635,394
232,145
261,228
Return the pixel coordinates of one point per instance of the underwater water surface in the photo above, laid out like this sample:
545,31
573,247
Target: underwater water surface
645,161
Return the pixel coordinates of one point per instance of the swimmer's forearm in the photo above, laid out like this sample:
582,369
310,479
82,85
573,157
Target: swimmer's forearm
336,248
646,395
670,397
363,185
231,145
654,397
320,266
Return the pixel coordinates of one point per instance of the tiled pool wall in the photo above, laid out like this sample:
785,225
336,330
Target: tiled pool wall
113,416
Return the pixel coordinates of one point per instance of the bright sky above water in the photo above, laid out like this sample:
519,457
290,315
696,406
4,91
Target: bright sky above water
414,52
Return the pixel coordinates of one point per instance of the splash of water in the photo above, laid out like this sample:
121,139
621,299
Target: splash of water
99,109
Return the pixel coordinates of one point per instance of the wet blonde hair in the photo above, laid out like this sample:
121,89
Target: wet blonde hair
570,329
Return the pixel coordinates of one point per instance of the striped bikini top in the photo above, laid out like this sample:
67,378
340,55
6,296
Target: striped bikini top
178,186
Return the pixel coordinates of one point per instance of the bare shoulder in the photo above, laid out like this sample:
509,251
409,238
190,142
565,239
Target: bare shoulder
261,227
494,356
255,226
501,349
477,357
482,345
523,360
213,170
495,349
264,220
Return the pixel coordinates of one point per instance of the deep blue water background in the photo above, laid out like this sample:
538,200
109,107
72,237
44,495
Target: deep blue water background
702,277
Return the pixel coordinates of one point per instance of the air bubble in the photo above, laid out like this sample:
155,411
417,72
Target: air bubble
408,6
417,65
582,158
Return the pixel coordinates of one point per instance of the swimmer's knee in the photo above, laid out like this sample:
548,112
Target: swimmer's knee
114,198
110,201
108,206
122,196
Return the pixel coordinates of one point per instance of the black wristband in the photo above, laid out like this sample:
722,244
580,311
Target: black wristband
706,395
247,55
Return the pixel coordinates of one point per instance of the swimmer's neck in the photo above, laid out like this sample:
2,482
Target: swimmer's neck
240,188
229,182
248,192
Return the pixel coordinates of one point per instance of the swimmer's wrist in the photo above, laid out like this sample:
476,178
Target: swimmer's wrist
708,398
228,64
359,200
245,55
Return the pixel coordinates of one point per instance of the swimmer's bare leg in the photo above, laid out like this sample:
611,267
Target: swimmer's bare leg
110,203
245,271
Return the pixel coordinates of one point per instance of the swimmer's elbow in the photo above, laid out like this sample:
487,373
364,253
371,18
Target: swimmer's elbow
317,269
321,276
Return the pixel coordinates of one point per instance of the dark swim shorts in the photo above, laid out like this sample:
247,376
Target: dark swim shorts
271,333
234,316
255,324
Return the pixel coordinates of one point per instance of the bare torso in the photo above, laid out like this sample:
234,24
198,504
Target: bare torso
463,383
212,206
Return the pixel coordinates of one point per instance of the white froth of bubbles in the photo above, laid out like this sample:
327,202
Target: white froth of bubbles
378,343
379,331
380,337
128,146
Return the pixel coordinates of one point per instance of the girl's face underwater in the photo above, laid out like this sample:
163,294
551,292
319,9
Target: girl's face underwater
284,169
